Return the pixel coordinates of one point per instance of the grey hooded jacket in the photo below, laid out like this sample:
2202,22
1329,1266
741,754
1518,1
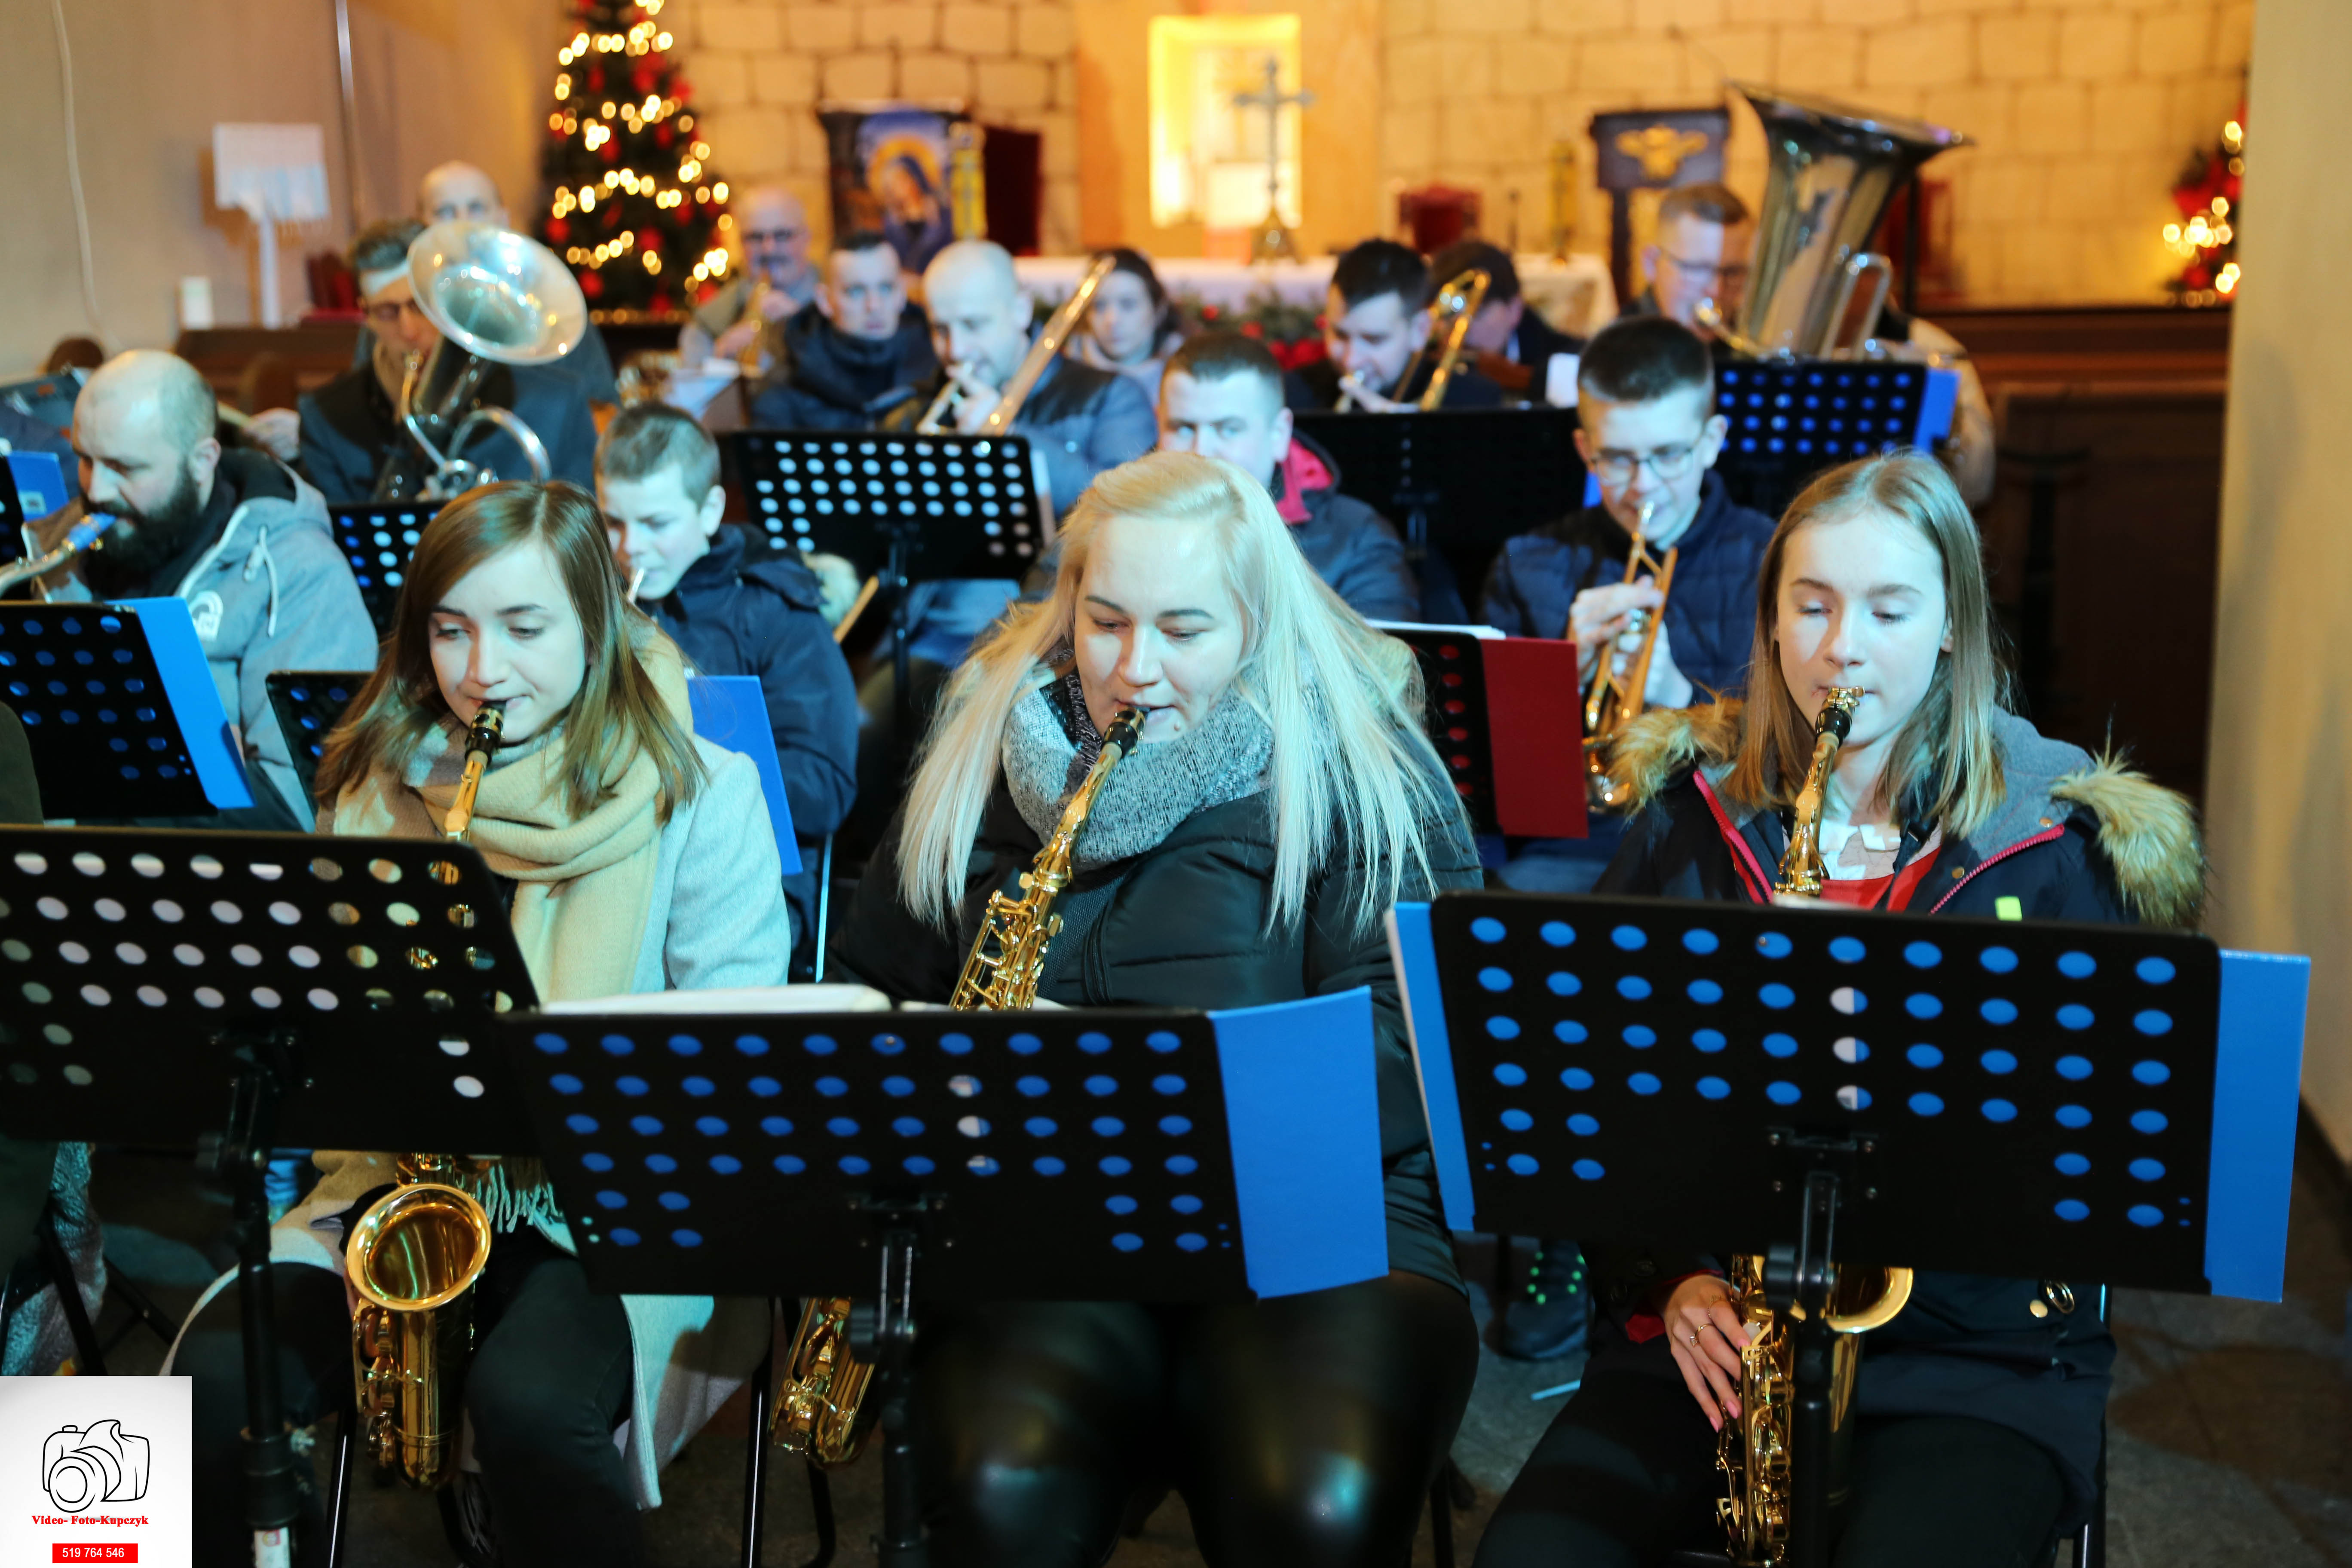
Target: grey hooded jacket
272,592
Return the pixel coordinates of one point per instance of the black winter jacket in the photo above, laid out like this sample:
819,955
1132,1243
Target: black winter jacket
1184,926
762,619
828,380
349,429
2076,839
1351,547
1710,614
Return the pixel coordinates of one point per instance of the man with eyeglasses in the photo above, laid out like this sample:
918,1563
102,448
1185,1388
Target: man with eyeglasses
1698,252
1649,433
350,428
777,279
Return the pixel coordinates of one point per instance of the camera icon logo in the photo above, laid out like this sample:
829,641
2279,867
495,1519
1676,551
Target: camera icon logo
81,1467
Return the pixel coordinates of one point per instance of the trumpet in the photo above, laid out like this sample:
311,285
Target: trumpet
1613,702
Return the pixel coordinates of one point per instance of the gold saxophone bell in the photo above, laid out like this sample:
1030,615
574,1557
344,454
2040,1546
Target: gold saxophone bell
819,1405
1613,702
413,1258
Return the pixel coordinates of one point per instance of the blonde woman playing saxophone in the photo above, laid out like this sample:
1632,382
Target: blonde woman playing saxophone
1282,799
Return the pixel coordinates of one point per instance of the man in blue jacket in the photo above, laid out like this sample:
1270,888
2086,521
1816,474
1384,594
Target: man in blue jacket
657,480
853,354
1648,431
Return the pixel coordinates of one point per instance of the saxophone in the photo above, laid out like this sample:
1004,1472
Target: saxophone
413,1259
819,1406
1753,1449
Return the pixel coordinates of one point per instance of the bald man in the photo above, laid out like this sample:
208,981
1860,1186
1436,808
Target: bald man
458,192
239,537
772,228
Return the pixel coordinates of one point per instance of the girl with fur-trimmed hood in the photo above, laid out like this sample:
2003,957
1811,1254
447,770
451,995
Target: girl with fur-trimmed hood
1982,1405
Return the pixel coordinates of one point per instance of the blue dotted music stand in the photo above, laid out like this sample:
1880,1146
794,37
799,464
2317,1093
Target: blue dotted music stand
335,993
924,508
120,708
308,703
1791,418
378,538
1127,1155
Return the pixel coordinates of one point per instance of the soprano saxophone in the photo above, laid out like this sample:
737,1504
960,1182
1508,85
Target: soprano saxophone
819,1406
413,1258
1753,1449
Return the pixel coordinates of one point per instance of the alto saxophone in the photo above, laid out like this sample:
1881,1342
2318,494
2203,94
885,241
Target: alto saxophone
819,1407
1753,1449
413,1259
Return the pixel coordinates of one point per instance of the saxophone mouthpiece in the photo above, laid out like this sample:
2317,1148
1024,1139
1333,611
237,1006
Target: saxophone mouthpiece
1837,712
1125,731
482,734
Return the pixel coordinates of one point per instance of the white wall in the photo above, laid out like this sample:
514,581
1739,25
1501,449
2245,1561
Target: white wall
2280,782
436,79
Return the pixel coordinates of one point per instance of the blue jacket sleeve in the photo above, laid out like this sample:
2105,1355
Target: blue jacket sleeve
813,710
1500,603
1123,430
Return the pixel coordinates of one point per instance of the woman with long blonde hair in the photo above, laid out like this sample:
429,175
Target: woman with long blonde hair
1980,1404
1282,797
635,858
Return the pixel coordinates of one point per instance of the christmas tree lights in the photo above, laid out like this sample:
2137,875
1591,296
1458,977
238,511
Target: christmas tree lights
2206,237
636,209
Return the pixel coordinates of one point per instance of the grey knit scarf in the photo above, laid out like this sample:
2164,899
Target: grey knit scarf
1149,793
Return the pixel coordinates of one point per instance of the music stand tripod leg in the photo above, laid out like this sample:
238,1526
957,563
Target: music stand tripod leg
1807,1272
270,1489
902,1544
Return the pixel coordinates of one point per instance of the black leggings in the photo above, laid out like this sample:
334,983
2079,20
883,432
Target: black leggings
1303,1432
549,1381
1627,1473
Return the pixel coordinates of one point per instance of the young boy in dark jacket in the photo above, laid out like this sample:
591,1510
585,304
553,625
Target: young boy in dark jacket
1648,430
657,480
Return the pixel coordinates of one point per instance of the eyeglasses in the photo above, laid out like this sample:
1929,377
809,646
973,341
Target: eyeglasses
1709,271
1666,462
389,312
771,236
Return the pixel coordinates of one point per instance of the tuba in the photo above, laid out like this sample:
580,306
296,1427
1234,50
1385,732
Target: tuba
413,1259
495,296
1612,701
819,1406
1833,170
1754,1449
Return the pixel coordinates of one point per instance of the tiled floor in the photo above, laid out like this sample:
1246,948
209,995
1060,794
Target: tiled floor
2231,1422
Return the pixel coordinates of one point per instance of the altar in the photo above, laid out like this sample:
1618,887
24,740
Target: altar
1573,294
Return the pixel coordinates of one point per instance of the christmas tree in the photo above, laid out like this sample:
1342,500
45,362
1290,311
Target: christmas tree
2206,237
636,208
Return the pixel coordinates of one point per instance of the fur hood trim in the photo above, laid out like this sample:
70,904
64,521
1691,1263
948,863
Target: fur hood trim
2147,832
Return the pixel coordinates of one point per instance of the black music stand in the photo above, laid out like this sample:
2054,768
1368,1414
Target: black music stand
904,508
120,708
378,538
341,990
1461,482
800,1154
308,703
1793,418
1987,1097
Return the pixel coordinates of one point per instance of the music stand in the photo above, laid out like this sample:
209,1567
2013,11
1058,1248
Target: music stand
308,703
378,538
1459,481
343,990
1987,1097
1793,418
1171,1156
120,708
1505,716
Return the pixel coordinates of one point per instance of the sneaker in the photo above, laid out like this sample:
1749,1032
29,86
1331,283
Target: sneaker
1546,1320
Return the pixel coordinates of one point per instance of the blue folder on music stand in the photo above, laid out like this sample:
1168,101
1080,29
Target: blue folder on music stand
731,710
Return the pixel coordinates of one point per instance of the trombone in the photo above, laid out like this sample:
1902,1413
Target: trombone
1024,380
1612,701
1458,301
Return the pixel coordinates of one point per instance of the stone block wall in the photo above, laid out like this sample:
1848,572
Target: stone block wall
761,67
2084,110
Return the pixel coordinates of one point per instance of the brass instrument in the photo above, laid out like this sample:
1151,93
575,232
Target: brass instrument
413,1258
1833,170
1612,701
496,297
1024,379
1457,304
1754,1447
1800,864
819,1406
40,564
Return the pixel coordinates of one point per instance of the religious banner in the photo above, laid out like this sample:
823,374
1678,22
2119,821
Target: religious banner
891,172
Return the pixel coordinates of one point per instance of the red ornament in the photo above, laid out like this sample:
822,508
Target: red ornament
558,231
592,284
643,77
610,151
596,79
664,135
649,239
